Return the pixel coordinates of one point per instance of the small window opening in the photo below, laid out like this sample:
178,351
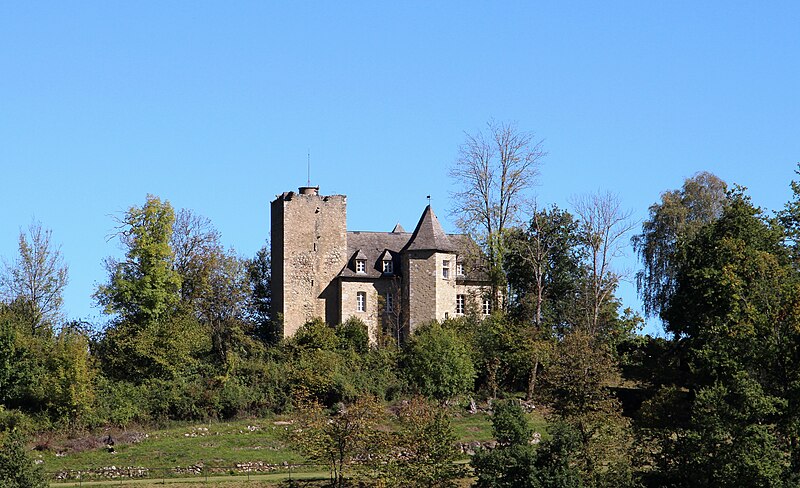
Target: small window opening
459,304
361,301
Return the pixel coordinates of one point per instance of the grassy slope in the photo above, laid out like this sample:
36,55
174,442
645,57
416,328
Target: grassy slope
223,444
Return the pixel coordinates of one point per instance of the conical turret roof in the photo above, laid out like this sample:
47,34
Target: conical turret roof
429,235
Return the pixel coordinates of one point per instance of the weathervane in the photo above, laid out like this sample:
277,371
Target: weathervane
429,200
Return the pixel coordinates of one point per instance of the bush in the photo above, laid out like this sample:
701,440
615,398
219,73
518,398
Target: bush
17,469
437,363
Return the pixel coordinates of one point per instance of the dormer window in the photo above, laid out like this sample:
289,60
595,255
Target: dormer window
388,266
361,265
459,269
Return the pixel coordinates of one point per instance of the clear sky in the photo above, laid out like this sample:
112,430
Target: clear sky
214,106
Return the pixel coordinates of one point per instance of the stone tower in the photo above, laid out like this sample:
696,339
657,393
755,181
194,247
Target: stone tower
309,249
429,259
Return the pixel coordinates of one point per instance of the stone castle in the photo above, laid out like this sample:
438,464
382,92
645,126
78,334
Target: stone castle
392,281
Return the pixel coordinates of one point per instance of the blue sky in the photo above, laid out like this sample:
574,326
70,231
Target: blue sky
214,107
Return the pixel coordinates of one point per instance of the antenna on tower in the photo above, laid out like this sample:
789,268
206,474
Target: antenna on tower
309,168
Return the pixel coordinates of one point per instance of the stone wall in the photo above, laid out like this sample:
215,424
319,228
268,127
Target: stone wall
427,295
375,312
309,248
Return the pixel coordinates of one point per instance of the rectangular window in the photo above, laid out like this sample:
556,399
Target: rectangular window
446,269
487,306
460,304
361,301
389,303
361,266
459,269
388,267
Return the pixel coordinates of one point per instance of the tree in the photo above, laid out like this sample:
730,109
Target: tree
734,313
16,467
222,302
341,438
421,452
437,362
69,384
672,222
260,305
148,337
544,266
145,286
517,462
493,172
603,226
36,279
196,246
578,381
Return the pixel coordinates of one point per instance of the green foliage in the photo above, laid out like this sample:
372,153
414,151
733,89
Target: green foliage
578,382
69,384
437,362
315,334
150,336
353,335
516,462
166,348
337,440
674,221
16,467
34,282
120,403
509,425
144,288
727,444
259,310
420,452
543,266
502,349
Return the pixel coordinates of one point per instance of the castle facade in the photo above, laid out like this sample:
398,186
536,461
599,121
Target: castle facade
392,281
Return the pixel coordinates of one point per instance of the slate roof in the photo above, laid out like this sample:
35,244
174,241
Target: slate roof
429,235
371,246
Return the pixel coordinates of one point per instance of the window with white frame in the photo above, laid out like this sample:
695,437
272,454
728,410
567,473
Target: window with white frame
361,265
446,269
388,266
459,269
487,306
361,301
460,304
389,303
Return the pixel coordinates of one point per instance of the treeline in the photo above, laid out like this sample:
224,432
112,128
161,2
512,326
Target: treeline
189,337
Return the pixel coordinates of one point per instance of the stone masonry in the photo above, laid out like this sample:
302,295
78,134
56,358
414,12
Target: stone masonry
392,281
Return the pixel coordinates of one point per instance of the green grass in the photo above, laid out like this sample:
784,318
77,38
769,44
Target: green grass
215,445
220,446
